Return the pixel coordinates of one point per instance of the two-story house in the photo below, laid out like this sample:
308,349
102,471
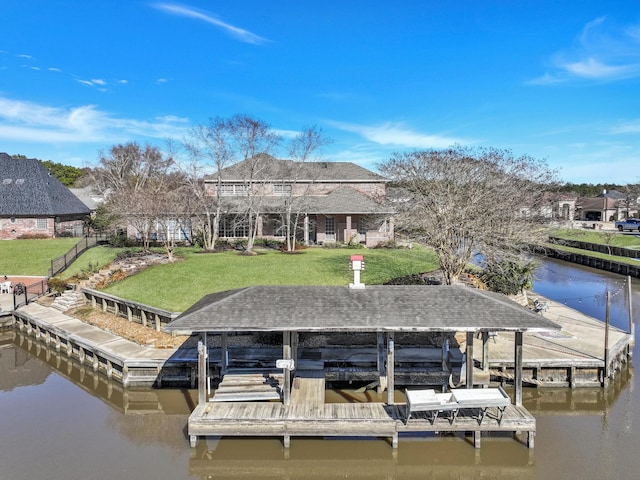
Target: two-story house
326,201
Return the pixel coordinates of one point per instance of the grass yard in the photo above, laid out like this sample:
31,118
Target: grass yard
177,286
31,257
92,259
614,239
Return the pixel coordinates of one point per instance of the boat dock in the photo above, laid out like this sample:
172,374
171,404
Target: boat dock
308,415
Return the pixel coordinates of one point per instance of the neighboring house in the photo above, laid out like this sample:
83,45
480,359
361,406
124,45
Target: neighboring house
564,208
87,196
608,206
33,201
332,201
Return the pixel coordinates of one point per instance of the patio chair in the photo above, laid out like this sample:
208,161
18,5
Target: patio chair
5,287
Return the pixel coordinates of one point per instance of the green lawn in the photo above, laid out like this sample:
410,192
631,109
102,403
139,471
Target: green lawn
177,286
92,259
614,239
31,257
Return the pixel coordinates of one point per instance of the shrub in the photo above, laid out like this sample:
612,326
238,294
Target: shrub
57,284
33,236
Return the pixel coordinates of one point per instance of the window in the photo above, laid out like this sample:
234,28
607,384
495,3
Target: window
330,226
42,223
281,189
362,226
231,189
231,227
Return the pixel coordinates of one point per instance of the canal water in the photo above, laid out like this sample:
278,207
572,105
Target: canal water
59,421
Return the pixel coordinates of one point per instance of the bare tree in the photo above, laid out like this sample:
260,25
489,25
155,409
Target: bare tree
252,142
210,149
302,149
134,181
463,202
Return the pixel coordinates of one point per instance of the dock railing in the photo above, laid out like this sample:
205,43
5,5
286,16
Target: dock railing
59,264
145,315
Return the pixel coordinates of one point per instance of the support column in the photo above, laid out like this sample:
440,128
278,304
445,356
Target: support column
391,359
382,371
517,369
485,352
348,230
306,229
469,359
224,353
286,355
202,369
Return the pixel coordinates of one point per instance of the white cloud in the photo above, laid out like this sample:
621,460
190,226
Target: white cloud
396,134
160,81
54,69
239,33
31,122
602,52
94,82
627,127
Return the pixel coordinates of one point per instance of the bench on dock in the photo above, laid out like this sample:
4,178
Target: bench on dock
476,399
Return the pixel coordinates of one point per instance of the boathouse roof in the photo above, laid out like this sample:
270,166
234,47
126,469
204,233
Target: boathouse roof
377,308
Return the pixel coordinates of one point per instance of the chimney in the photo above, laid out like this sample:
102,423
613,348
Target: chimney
357,265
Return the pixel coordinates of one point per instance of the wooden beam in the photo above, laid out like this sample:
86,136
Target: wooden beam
382,370
517,368
391,360
286,355
224,353
202,369
469,353
485,352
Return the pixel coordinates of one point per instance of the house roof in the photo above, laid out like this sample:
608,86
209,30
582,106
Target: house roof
342,201
27,188
86,196
598,203
398,308
272,169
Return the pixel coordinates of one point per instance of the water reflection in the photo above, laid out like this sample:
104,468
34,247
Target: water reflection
584,289
59,419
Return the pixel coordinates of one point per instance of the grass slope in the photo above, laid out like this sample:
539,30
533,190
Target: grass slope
614,239
179,285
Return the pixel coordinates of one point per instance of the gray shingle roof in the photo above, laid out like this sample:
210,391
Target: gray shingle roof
283,170
374,308
342,201
28,189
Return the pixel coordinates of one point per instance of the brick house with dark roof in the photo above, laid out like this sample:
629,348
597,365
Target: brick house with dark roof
33,201
335,201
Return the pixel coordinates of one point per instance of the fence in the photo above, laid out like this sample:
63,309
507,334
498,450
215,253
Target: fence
134,312
22,294
61,263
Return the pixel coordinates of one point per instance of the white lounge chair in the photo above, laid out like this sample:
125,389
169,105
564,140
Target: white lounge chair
5,287
481,399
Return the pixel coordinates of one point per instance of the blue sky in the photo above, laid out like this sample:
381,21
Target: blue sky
557,80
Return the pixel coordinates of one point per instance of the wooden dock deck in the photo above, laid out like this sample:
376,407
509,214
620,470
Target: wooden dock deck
308,415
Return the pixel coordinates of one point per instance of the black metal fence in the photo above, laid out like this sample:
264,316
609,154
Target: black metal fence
23,294
61,263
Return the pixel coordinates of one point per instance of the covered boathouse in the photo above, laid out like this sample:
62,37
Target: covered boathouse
289,401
